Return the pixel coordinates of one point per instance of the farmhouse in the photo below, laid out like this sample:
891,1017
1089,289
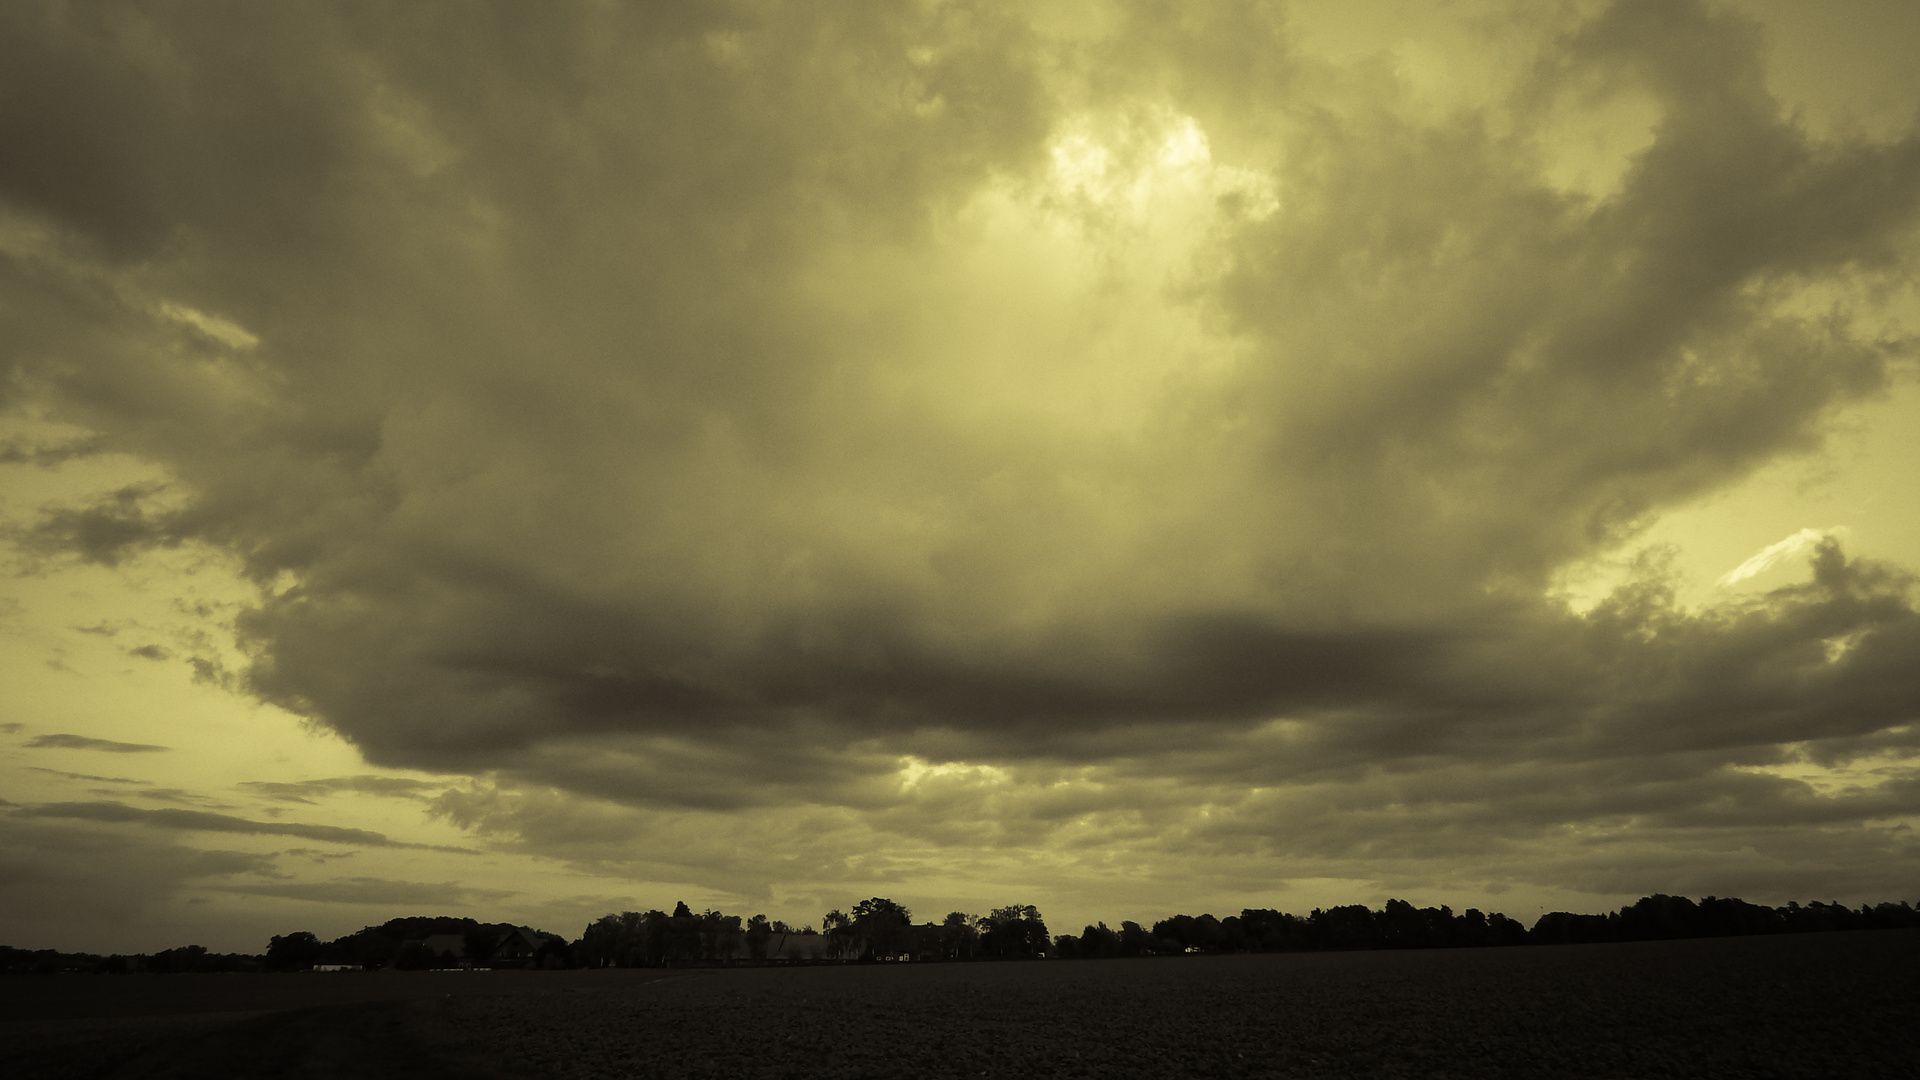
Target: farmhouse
522,947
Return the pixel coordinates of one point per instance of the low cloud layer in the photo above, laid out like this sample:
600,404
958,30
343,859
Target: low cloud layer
1030,439
86,742
64,882
312,791
408,895
205,821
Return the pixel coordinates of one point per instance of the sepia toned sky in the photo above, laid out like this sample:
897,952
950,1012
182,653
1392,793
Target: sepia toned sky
1122,457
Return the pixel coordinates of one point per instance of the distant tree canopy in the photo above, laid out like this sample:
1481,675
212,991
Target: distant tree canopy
879,927
651,939
293,952
884,925
1400,925
1660,917
1013,932
185,960
402,943
958,936
1397,926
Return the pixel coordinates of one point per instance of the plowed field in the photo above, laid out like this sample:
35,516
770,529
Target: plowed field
1827,1005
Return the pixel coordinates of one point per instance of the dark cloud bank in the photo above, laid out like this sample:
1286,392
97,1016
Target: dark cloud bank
619,399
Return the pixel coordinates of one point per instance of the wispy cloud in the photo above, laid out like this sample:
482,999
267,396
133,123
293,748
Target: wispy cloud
1776,553
180,796
89,777
83,742
307,791
21,452
204,821
372,890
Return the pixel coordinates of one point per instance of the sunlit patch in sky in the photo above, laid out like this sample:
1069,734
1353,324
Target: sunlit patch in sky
220,330
1799,544
1597,139
915,773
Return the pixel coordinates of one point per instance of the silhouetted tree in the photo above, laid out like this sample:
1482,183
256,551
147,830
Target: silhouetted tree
958,936
187,959
1889,916
884,924
1567,928
1506,931
1658,918
599,944
839,930
682,937
1274,931
1097,941
717,931
1348,927
293,952
1726,916
1016,931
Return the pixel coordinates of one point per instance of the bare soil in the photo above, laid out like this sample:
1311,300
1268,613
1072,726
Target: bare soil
307,1025
1818,1005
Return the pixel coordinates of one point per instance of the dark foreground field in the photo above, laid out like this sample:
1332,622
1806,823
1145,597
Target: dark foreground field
1817,1005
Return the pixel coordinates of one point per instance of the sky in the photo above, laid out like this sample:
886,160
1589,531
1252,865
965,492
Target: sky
1128,458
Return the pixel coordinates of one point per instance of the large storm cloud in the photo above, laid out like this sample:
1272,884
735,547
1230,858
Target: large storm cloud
1161,438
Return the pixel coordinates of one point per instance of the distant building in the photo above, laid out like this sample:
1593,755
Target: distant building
523,947
800,948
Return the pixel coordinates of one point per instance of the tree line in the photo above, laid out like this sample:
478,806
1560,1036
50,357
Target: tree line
421,943
874,929
878,929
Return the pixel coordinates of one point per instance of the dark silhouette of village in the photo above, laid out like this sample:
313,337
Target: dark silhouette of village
878,930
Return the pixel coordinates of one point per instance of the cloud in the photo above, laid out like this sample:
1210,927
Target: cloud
725,412
381,891
203,821
1776,553
72,887
318,856
105,532
172,795
83,742
307,791
22,452
88,776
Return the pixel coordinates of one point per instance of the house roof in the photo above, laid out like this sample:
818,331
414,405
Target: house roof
522,935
